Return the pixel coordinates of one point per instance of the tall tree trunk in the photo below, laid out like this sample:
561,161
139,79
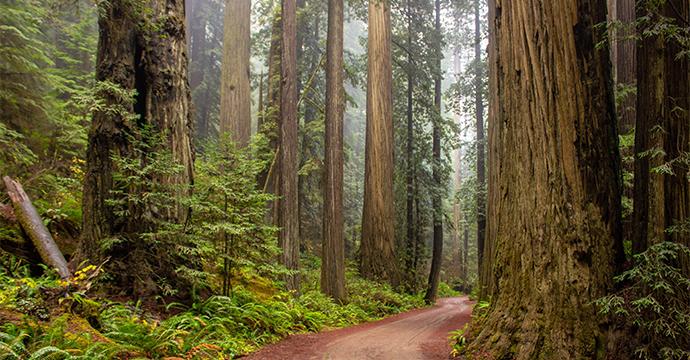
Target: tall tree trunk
288,216
437,252
152,61
198,63
481,155
333,254
378,220
270,126
662,199
554,179
409,156
626,62
235,90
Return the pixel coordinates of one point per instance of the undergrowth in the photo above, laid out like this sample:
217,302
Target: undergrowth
46,318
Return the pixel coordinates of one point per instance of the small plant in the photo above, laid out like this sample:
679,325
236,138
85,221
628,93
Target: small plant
654,300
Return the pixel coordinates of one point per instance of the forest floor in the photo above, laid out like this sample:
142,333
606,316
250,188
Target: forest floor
415,335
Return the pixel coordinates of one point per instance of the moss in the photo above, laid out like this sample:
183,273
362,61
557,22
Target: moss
75,330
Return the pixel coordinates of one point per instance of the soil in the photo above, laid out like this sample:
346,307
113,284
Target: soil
414,335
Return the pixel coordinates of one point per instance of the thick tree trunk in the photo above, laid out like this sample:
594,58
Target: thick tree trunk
554,180
288,216
378,220
662,199
437,251
31,222
152,61
235,90
333,254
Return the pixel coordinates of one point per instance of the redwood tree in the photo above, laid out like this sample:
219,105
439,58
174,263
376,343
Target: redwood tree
662,191
333,254
235,97
378,220
133,55
554,179
288,209
437,250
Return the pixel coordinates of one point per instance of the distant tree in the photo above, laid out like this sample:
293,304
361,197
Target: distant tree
662,130
481,154
437,251
235,109
333,253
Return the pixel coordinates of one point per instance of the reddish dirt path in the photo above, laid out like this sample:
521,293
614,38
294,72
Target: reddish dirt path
415,335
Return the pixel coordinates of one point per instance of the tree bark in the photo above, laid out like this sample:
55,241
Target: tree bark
134,55
662,198
437,251
235,104
378,220
31,222
270,126
554,180
626,62
333,254
288,216
409,156
481,154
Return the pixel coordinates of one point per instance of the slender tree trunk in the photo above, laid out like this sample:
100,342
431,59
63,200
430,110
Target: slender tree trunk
662,199
410,171
288,221
134,58
437,252
198,63
481,155
260,111
554,180
626,62
268,178
333,254
378,220
235,90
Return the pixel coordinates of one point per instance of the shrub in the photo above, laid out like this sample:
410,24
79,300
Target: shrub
654,300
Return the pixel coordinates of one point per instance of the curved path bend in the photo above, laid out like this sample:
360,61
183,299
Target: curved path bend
415,335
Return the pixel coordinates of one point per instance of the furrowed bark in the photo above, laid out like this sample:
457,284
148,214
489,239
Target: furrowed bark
378,220
554,242
289,210
235,103
333,254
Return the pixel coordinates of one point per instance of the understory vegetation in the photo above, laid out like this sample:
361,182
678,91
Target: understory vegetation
47,318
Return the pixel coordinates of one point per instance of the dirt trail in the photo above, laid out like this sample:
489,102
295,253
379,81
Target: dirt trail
415,335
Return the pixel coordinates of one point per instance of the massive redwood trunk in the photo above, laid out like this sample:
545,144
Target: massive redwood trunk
554,190
378,220
235,93
333,254
662,198
135,55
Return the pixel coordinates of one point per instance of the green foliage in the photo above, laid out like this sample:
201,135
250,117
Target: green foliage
211,328
654,299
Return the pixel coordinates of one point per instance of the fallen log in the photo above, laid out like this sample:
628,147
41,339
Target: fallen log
31,222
